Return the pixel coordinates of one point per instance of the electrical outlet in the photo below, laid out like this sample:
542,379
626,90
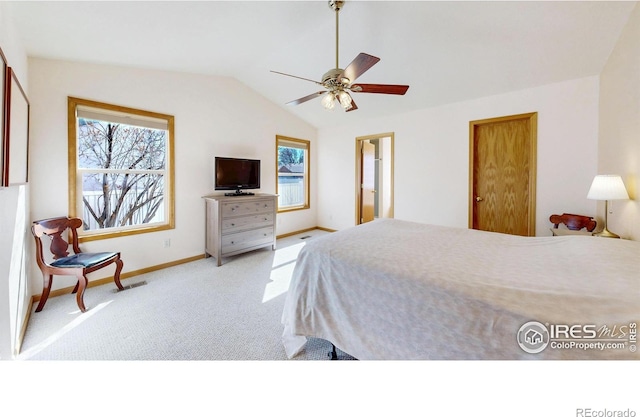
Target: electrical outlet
167,243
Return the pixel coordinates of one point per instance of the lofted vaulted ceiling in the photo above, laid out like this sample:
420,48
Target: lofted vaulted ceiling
445,51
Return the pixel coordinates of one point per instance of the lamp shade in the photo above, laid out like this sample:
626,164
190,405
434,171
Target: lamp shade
607,187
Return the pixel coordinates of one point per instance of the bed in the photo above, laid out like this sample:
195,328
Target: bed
393,289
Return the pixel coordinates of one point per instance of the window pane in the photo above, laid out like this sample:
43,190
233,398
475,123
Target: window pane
118,200
291,191
291,171
119,146
290,158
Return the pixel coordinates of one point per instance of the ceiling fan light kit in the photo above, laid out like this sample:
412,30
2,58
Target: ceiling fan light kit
339,82
345,100
328,101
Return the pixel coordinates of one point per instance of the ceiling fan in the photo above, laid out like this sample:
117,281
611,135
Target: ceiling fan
339,82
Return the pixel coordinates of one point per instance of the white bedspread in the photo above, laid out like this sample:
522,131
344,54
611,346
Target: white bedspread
392,289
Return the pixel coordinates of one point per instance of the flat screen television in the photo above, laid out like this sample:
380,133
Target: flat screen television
236,174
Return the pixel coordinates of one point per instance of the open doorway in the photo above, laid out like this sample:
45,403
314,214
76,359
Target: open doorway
374,177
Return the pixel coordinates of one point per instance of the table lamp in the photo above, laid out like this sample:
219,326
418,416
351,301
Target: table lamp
607,187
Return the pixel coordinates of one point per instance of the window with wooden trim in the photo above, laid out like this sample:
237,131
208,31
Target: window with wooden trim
292,185
120,169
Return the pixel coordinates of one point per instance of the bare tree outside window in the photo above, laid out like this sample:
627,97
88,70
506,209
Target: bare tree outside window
123,188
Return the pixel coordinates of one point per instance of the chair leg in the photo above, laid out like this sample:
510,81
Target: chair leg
116,276
81,285
46,289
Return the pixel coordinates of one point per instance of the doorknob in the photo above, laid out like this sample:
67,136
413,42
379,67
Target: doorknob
479,199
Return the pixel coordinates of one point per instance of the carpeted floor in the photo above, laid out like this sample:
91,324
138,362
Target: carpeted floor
194,311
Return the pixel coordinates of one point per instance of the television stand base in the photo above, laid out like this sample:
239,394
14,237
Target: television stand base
237,194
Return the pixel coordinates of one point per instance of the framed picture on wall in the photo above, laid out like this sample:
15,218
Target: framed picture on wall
16,138
3,73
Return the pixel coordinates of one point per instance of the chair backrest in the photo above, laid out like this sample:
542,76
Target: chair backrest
55,228
573,221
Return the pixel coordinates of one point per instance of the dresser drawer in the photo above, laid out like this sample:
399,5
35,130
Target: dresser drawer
237,224
246,207
243,240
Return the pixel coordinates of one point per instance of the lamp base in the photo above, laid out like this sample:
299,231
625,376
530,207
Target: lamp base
607,233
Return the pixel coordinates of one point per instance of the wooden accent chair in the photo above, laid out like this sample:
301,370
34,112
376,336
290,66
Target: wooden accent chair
78,264
573,221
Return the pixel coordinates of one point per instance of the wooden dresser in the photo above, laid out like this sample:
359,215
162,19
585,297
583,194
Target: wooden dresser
239,224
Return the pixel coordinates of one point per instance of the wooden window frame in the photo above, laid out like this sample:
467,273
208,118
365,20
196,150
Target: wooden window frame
306,145
75,209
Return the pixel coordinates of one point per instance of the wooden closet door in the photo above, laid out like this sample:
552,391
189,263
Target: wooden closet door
503,173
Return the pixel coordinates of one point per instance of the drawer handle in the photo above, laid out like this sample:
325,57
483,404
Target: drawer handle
233,208
232,242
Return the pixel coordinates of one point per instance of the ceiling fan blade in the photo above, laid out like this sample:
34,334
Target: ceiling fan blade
306,98
358,66
295,76
380,88
353,106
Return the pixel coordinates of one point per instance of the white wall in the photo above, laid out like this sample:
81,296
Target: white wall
619,145
13,209
432,156
213,116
